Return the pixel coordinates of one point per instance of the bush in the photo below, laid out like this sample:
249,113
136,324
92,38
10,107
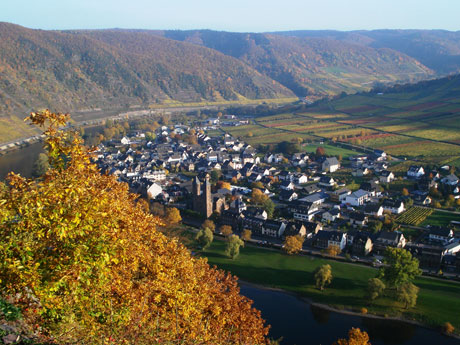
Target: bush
448,328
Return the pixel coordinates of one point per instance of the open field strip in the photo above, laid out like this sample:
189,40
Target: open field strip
446,134
440,218
320,116
330,150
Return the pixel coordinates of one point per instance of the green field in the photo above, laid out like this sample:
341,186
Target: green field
331,150
439,218
438,300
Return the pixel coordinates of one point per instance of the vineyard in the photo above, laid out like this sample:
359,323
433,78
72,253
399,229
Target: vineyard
414,216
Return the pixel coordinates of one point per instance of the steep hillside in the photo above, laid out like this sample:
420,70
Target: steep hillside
65,70
310,66
437,49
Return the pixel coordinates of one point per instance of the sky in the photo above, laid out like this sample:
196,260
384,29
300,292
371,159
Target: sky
234,15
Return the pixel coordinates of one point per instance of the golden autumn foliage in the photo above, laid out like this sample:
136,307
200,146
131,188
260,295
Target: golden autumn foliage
448,328
355,337
172,216
293,244
85,261
333,250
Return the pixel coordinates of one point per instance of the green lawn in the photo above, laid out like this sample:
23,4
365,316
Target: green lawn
331,150
439,218
438,300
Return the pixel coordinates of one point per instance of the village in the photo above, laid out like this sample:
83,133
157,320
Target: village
206,173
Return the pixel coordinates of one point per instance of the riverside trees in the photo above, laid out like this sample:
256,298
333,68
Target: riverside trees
323,276
400,267
399,272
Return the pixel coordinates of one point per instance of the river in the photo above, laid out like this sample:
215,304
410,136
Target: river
20,161
299,323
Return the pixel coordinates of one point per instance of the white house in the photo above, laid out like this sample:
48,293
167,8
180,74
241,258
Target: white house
273,228
450,180
393,206
340,194
326,181
360,172
358,198
287,185
125,141
154,190
387,176
331,215
330,164
441,234
415,171
373,210
155,175
301,179
273,158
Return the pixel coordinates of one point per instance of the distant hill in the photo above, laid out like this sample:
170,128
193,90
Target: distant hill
310,66
111,69
439,50
118,69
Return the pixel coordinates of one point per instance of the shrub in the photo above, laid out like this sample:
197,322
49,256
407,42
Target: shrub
448,328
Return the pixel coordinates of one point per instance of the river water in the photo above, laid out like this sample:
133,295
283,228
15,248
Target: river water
20,161
299,323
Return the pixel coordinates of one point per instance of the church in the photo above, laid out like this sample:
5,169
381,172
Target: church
205,202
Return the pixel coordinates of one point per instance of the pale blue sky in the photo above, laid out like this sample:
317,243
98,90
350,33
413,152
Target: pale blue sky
235,15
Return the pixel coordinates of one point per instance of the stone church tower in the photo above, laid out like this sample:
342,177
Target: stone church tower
202,198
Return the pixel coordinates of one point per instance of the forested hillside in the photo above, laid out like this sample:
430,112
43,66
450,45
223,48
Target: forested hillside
310,66
439,50
106,69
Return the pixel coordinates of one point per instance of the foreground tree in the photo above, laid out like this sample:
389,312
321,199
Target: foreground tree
205,237
233,246
355,337
375,288
293,244
86,263
400,267
407,293
323,276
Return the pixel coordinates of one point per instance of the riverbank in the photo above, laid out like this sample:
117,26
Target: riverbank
344,311
437,303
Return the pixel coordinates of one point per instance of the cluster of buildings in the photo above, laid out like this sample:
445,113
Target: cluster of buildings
181,168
